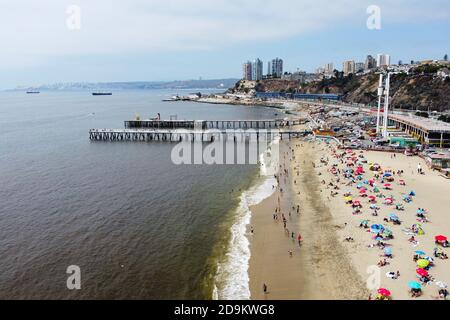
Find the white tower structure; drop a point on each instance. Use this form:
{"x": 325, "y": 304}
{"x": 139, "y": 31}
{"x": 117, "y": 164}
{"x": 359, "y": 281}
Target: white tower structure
{"x": 380, "y": 96}
{"x": 386, "y": 105}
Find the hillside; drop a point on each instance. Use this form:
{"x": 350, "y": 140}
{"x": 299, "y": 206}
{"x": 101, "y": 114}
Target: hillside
{"x": 421, "y": 89}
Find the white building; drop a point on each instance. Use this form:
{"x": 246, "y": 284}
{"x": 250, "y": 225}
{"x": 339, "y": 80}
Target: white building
{"x": 257, "y": 70}
{"x": 383, "y": 60}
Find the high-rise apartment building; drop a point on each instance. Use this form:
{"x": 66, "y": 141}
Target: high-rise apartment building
{"x": 383, "y": 60}
{"x": 348, "y": 67}
{"x": 276, "y": 68}
{"x": 371, "y": 63}
{"x": 257, "y": 70}
{"x": 247, "y": 71}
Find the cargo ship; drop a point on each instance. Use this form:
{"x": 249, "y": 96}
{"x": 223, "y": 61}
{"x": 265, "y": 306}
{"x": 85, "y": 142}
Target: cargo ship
{"x": 102, "y": 93}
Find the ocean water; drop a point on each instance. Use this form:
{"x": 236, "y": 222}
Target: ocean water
{"x": 138, "y": 226}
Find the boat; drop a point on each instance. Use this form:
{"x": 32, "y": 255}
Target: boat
{"x": 33, "y": 92}
{"x": 102, "y": 93}
{"x": 173, "y": 98}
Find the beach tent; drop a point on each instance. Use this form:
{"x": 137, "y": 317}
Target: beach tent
{"x": 388, "y": 251}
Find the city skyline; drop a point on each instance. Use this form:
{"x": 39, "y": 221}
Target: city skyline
{"x": 172, "y": 40}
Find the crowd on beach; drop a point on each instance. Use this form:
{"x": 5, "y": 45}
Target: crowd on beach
{"x": 367, "y": 188}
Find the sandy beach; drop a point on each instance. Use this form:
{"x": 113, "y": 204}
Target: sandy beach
{"x": 326, "y": 266}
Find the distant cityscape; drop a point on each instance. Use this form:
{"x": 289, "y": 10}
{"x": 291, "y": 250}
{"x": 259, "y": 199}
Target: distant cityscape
{"x": 253, "y": 70}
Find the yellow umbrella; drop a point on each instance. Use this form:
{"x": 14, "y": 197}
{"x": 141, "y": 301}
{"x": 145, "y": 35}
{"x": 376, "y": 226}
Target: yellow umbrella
{"x": 422, "y": 263}
{"x": 348, "y": 199}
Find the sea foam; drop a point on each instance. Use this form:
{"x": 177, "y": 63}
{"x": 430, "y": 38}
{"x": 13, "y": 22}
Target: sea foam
{"x": 232, "y": 279}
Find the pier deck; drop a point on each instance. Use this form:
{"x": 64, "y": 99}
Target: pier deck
{"x": 213, "y": 124}
{"x": 146, "y": 135}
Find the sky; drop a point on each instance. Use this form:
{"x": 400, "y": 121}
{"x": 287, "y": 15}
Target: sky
{"x": 51, "y": 41}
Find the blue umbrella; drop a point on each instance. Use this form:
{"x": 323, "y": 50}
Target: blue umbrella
{"x": 419, "y": 252}
{"x": 377, "y": 227}
{"x": 387, "y": 174}
{"x": 412, "y": 194}
{"x": 414, "y": 285}
{"x": 373, "y": 206}
{"x": 378, "y": 239}
{"x": 388, "y": 251}
{"x": 393, "y": 216}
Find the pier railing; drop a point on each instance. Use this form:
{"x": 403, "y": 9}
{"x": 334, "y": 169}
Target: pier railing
{"x": 212, "y": 124}
{"x": 146, "y": 135}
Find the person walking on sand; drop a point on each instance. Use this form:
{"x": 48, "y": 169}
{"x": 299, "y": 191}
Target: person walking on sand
{"x": 265, "y": 288}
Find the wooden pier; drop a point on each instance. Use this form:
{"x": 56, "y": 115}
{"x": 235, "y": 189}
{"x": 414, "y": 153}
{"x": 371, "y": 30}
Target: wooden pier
{"x": 146, "y": 135}
{"x": 213, "y": 124}
{"x": 201, "y": 130}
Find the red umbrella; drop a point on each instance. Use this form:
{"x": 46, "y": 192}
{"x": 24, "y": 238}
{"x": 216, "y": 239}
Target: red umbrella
{"x": 372, "y": 197}
{"x": 440, "y": 238}
{"x": 387, "y": 185}
{"x": 362, "y": 190}
{"x": 422, "y": 272}
{"x": 384, "y": 292}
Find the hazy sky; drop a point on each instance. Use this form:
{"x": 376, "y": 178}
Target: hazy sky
{"x": 138, "y": 40}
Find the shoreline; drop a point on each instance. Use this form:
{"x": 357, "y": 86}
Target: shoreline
{"x": 318, "y": 269}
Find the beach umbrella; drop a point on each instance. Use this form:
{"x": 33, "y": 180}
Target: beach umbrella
{"x": 356, "y": 202}
{"x": 419, "y": 252}
{"x": 412, "y": 194}
{"x": 387, "y": 185}
{"x": 429, "y": 259}
{"x": 422, "y": 263}
{"x": 387, "y": 233}
{"x": 393, "y": 217}
{"x": 414, "y": 285}
{"x": 440, "y": 238}
{"x": 373, "y": 206}
{"x": 387, "y": 174}
{"x": 388, "y": 251}
{"x": 384, "y": 292}
{"x": 422, "y": 272}
{"x": 378, "y": 239}
{"x": 364, "y": 222}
